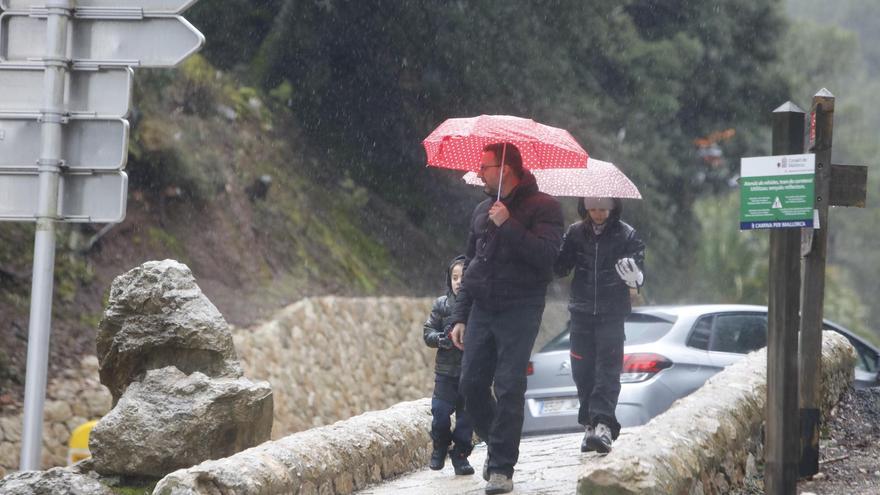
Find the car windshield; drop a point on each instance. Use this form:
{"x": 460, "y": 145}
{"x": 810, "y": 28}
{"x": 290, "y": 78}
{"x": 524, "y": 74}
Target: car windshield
{"x": 639, "y": 328}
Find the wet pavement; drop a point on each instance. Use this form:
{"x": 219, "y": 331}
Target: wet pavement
{"x": 548, "y": 465}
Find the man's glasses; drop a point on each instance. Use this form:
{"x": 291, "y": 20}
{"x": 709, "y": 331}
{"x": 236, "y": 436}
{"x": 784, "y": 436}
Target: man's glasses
{"x": 484, "y": 167}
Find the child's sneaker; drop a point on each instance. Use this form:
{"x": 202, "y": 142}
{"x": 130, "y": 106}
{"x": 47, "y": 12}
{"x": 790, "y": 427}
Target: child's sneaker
{"x": 459, "y": 459}
{"x": 438, "y": 456}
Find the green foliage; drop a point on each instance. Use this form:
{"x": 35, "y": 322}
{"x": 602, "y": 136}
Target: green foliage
{"x": 859, "y": 17}
{"x": 157, "y": 163}
{"x": 165, "y": 155}
{"x": 731, "y": 265}
{"x": 283, "y": 93}
{"x": 16, "y": 258}
{"x": 8, "y": 372}
{"x": 234, "y": 28}
{"x": 844, "y": 305}
{"x": 835, "y": 46}
{"x": 16, "y": 262}
{"x": 134, "y": 487}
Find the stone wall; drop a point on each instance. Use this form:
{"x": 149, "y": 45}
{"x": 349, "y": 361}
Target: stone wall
{"x": 709, "y": 441}
{"x": 331, "y": 358}
{"x": 71, "y": 400}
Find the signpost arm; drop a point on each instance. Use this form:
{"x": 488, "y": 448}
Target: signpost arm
{"x": 821, "y": 130}
{"x": 39, "y": 330}
{"x": 782, "y": 440}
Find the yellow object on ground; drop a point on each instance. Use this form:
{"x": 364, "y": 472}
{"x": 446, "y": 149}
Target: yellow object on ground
{"x": 78, "y": 447}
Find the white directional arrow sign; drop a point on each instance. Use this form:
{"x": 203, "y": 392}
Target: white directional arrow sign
{"x": 105, "y": 92}
{"x": 147, "y": 6}
{"x": 113, "y": 39}
{"x": 87, "y": 144}
{"x": 83, "y": 197}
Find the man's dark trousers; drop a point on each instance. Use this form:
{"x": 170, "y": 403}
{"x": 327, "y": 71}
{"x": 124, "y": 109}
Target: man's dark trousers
{"x": 596, "y": 363}
{"x": 498, "y": 344}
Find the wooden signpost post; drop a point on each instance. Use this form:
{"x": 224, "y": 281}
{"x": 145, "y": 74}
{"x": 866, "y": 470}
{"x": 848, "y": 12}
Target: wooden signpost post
{"x": 781, "y": 459}
{"x": 836, "y": 185}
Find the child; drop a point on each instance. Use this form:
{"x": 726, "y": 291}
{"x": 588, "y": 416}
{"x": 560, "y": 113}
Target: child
{"x": 607, "y": 257}
{"x": 447, "y": 369}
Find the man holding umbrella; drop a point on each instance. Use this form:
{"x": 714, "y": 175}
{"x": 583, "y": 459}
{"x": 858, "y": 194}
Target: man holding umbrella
{"x": 512, "y": 245}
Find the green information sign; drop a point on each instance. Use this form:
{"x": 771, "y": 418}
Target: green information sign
{"x": 777, "y": 191}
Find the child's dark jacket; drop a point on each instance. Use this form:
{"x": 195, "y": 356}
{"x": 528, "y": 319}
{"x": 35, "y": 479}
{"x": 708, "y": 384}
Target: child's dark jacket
{"x": 439, "y": 325}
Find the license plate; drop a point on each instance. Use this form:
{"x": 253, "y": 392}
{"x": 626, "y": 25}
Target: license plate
{"x": 556, "y": 406}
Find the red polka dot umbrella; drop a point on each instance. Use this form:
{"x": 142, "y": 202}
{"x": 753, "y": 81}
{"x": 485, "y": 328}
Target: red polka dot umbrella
{"x": 458, "y": 143}
{"x": 599, "y": 180}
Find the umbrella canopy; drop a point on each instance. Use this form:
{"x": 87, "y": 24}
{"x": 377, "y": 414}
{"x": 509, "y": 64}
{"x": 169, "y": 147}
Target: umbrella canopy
{"x": 458, "y": 143}
{"x": 599, "y": 180}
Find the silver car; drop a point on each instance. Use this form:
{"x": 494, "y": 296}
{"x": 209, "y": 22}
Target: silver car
{"x": 670, "y": 351}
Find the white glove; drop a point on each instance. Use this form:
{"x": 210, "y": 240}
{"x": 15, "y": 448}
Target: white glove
{"x": 629, "y": 272}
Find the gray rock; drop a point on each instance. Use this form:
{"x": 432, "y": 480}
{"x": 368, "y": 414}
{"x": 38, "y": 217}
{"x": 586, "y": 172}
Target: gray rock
{"x": 56, "y": 481}
{"x": 157, "y": 316}
{"x": 171, "y": 421}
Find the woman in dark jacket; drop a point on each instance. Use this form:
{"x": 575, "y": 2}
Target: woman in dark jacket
{"x": 447, "y": 369}
{"x": 607, "y": 257}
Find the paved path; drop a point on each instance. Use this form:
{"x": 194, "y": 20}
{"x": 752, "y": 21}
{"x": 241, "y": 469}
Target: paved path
{"x": 548, "y": 465}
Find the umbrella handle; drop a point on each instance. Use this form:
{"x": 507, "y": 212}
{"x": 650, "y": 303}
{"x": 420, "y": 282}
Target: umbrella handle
{"x": 501, "y": 178}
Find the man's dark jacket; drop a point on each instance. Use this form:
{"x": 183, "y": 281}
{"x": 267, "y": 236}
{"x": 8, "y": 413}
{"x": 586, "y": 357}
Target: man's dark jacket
{"x": 439, "y": 324}
{"x": 597, "y": 289}
{"x": 511, "y": 266}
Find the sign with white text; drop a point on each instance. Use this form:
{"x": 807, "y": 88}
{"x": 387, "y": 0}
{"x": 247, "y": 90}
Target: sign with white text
{"x": 777, "y": 191}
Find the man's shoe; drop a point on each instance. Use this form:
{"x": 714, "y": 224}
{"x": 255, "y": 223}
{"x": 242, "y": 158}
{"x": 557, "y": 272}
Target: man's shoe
{"x": 588, "y": 432}
{"x": 438, "y": 457}
{"x": 600, "y": 440}
{"x": 499, "y": 483}
{"x": 460, "y": 464}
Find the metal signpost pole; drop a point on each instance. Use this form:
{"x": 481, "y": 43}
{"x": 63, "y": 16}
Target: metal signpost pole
{"x": 782, "y": 433}
{"x": 49, "y": 165}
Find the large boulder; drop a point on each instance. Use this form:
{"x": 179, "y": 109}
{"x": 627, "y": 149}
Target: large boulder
{"x": 56, "y": 481}
{"x": 171, "y": 420}
{"x": 157, "y": 316}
